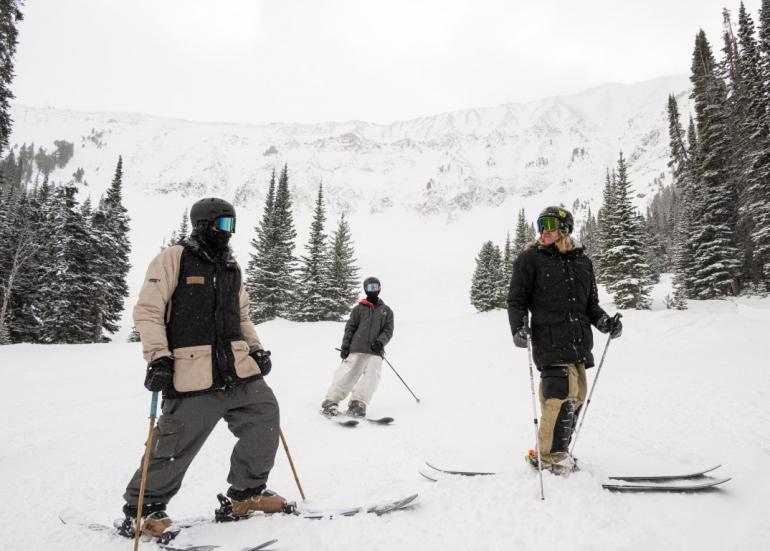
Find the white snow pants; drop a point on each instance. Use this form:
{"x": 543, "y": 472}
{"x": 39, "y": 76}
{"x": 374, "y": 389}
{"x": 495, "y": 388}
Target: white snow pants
{"x": 358, "y": 372}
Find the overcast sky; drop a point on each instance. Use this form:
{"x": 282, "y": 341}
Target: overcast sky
{"x": 314, "y": 60}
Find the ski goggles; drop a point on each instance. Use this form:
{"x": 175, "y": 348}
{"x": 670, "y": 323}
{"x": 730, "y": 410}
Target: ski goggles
{"x": 548, "y": 223}
{"x": 225, "y": 223}
{"x": 372, "y": 287}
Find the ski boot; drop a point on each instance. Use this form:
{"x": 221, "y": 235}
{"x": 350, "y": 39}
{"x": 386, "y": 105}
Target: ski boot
{"x": 356, "y": 409}
{"x": 329, "y": 408}
{"x": 156, "y": 522}
{"x": 237, "y": 508}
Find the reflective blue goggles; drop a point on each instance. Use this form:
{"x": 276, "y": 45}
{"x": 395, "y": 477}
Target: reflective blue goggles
{"x": 372, "y": 288}
{"x": 225, "y": 223}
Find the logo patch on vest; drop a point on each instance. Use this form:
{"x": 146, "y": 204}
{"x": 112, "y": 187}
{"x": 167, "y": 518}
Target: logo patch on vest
{"x": 195, "y": 280}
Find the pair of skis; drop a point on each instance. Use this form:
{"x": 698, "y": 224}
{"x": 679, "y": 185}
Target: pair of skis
{"x": 166, "y": 540}
{"x": 687, "y": 482}
{"x": 350, "y": 422}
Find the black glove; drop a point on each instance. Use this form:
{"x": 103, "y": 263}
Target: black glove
{"x": 262, "y": 357}
{"x": 160, "y": 374}
{"x": 520, "y": 337}
{"x": 344, "y": 352}
{"x": 611, "y": 325}
{"x": 378, "y": 347}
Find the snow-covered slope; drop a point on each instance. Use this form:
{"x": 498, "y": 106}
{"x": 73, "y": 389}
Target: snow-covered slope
{"x": 435, "y": 164}
{"x": 679, "y": 390}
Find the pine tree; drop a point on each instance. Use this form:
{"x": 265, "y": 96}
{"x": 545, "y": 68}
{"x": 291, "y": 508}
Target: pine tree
{"x": 682, "y": 260}
{"x": 607, "y": 223}
{"x": 588, "y": 235}
{"x": 485, "y": 287}
{"x": 524, "y": 234}
{"x": 63, "y": 305}
{"x": 716, "y": 255}
{"x": 284, "y": 246}
{"x": 271, "y": 270}
{"x": 10, "y": 16}
{"x": 630, "y": 283}
{"x": 180, "y": 233}
{"x": 343, "y": 272}
{"x": 315, "y": 289}
{"x": 752, "y": 95}
{"x": 261, "y": 272}
{"x": 117, "y": 248}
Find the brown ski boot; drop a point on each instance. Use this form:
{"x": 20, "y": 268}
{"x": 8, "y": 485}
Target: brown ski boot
{"x": 266, "y": 502}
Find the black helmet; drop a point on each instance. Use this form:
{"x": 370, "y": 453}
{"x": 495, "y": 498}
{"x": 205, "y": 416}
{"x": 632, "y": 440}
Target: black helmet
{"x": 371, "y": 285}
{"x": 563, "y": 217}
{"x": 204, "y": 212}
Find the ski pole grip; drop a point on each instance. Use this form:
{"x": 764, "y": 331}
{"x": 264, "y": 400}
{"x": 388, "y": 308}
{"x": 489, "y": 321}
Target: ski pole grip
{"x": 154, "y": 405}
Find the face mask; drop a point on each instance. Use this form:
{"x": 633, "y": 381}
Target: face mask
{"x": 217, "y": 240}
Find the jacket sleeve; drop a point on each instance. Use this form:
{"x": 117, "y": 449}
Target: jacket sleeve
{"x": 520, "y": 290}
{"x": 152, "y": 306}
{"x": 593, "y": 310}
{"x": 248, "y": 330}
{"x": 350, "y": 327}
{"x": 387, "y": 328}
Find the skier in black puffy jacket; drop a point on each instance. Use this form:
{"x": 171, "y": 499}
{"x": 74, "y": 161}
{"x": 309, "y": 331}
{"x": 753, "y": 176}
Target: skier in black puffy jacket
{"x": 554, "y": 281}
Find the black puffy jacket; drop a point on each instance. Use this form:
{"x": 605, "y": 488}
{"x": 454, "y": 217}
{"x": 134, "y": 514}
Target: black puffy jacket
{"x": 559, "y": 289}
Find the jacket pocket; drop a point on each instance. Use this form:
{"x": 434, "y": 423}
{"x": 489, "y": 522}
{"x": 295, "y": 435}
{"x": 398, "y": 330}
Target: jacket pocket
{"x": 168, "y": 435}
{"x": 192, "y": 368}
{"x": 245, "y": 366}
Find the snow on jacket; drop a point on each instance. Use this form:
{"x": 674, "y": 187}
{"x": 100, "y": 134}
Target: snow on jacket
{"x": 559, "y": 289}
{"x": 196, "y": 310}
{"x": 368, "y": 323}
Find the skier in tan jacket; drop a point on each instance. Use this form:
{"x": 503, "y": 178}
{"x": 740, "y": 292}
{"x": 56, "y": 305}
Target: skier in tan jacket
{"x": 204, "y": 354}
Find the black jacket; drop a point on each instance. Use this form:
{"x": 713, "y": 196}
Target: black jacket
{"x": 559, "y": 289}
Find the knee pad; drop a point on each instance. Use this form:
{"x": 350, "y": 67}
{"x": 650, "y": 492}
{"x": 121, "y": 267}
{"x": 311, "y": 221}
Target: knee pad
{"x": 555, "y": 383}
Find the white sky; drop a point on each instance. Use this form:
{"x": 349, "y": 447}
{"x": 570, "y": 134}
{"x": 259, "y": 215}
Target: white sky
{"x": 316, "y": 60}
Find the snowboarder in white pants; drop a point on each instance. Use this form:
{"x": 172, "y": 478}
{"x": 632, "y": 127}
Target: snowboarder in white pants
{"x": 368, "y": 330}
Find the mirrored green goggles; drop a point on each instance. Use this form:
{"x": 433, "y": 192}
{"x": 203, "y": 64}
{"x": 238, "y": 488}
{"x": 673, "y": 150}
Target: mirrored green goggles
{"x": 548, "y": 223}
{"x": 225, "y": 223}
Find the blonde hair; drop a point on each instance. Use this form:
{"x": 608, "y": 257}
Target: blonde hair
{"x": 564, "y": 243}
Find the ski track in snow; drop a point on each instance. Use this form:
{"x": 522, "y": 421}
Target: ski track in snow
{"x": 679, "y": 390}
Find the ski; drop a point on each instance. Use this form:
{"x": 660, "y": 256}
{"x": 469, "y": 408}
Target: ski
{"x": 344, "y": 423}
{"x": 381, "y": 420}
{"x": 664, "y": 477}
{"x": 460, "y": 473}
{"x": 164, "y": 541}
{"x": 675, "y": 485}
{"x": 224, "y": 512}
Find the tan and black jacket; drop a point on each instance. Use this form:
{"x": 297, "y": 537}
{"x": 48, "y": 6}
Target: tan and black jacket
{"x": 196, "y": 310}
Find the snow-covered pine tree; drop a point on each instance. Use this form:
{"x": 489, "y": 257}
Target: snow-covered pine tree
{"x": 343, "y": 272}
{"x": 261, "y": 271}
{"x": 753, "y": 94}
{"x": 630, "y": 284}
{"x": 716, "y": 257}
{"x": 607, "y": 234}
{"x": 525, "y": 233}
{"x": 181, "y": 232}
{"x": 314, "y": 286}
{"x": 682, "y": 261}
{"x": 63, "y": 304}
{"x": 284, "y": 246}
{"x": 10, "y": 16}
{"x": 116, "y": 233}
{"x": 588, "y": 235}
{"x": 487, "y": 277}
{"x": 509, "y": 255}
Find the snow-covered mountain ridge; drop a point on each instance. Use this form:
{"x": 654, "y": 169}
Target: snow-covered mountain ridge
{"x": 441, "y": 164}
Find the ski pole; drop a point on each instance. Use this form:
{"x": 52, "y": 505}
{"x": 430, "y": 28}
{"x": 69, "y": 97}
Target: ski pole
{"x": 616, "y": 317}
{"x": 534, "y": 408}
{"x": 145, "y": 466}
{"x": 397, "y": 375}
{"x": 291, "y": 463}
